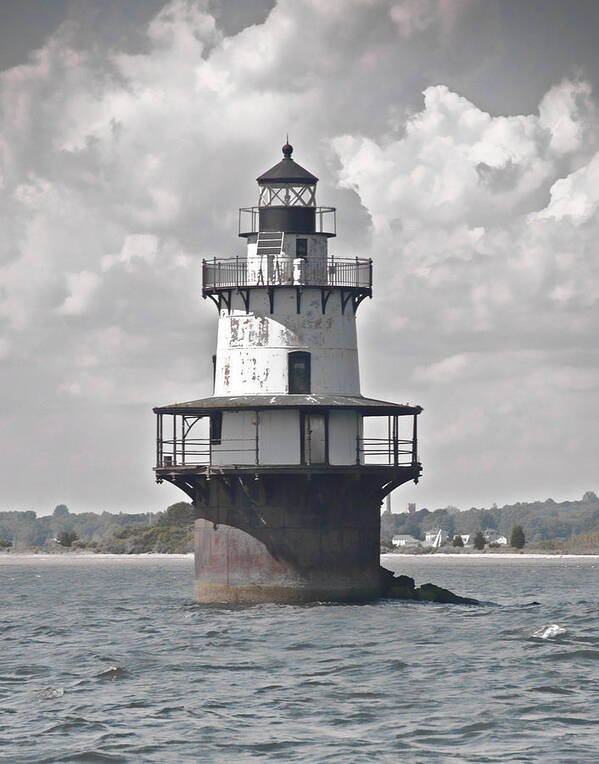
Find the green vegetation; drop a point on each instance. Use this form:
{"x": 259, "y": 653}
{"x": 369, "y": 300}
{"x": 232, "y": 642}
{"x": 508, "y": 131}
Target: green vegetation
{"x": 173, "y": 533}
{"x": 66, "y": 538}
{"x": 549, "y": 525}
{"x": 569, "y": 526}
{"x": 479, "y": 540}
{"x": 168, "y": 531}
{"x": 458, "y": 541}
{"x": 517, "y": 539}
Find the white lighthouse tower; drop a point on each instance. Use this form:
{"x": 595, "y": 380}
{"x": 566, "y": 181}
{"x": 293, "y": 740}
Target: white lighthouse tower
{"x": 286, "y": 486}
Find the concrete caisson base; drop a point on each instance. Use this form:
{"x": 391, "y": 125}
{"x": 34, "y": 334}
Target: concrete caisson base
{"x": 289, "y": 538}
{"x": 234, "y": 567}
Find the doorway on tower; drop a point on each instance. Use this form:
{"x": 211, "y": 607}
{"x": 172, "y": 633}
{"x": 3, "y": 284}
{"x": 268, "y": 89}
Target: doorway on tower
{"x": 315, "y": 441}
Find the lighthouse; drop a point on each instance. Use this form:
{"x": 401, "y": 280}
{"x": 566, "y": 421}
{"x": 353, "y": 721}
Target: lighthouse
{"x": 280, "y": 462}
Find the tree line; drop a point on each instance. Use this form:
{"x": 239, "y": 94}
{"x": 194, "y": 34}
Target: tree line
{"x": 544, "y": 523}
{"x": 517, "y": 539}
{"x": 63, "y": 528}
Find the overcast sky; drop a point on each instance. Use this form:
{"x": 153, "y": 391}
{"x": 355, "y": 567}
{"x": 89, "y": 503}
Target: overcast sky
{"x": 459, "y": 140}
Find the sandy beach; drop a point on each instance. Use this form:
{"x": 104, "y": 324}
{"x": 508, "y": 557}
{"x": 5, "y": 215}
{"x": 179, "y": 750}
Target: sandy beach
{"x": 491, "y": 557}
{"x": 10, "y": 558}
{"x": 87, "y": 557}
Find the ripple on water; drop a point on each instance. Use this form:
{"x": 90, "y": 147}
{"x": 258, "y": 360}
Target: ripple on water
{"x": 50, "y": 693}
{"x": 84, "y": 755}
{"x": 113, "y": 674}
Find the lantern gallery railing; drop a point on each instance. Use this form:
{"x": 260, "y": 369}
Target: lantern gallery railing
{"x": 242, "y": 273}
{"x": 175, "y": 448}
{"x": 325, "y": 220}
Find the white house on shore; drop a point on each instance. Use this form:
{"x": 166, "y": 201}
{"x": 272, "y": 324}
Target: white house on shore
{"x": 405, "y": 541}
{"x": 435, "y": 538}
{"x": 493, "y": 537}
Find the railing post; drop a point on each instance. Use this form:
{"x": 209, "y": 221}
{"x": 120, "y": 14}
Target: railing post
{"x": 183, "y": 440}
{"x": 415, "y": 440}
{"x": 358, "y": 445}
{"x": 257, "y": 440}
{"x": 158, "y": 459}
{"x": 174, "y": 438}
{"x": 395, "y": 442}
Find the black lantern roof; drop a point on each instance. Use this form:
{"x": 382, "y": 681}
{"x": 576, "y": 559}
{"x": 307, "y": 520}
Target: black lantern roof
{"x": 287, "y": 171}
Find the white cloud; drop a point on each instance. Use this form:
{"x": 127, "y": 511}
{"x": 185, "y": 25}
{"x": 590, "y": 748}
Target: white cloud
{"x": 141, "y": 247}
{"x": 575, "y": 196}
{"x": 444, "y": 371}
{"x": 457, "y": 189}
{"x": 81, "y": 286}
{"x": 413, "y": 16}
{"x": 568, "y": 112}
{"x": 70, "y": 388}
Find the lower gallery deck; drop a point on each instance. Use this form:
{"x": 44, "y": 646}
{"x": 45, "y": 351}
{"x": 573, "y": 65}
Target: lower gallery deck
{"x": 287, "y": 492}
{"x": 229, "y": 432}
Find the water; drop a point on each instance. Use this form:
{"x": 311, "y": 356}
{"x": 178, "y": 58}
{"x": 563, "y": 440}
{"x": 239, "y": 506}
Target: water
{"x": 108, "y": 659}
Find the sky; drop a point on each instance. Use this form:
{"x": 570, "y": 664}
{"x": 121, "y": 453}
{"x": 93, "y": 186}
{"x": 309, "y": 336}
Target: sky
{"x": 459, "y": 141}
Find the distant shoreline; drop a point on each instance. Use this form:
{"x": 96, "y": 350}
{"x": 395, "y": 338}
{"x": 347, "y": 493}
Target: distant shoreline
{"x": 493, "y": 555}
{"x": 84, "y": 556}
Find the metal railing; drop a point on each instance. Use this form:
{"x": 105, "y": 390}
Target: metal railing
{"x": 249, "y": 220}
{"x": 203, "y": 452}
{"x": 241, "y": 273}
{"x": 391, "y": 451}
{"x": 179, "y": 450}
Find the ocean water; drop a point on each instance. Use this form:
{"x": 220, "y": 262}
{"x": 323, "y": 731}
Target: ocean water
{"x": 108, "y": 659}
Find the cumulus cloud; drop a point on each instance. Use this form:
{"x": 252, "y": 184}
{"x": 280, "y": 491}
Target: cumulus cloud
{"x": 472, "y": 205}
{"x": 575, "y": 196}
{"x": 81, "y": 288}
{"x": 490, "y": 261}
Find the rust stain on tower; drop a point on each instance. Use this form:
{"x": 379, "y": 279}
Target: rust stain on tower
{"x": 285, "y": 477}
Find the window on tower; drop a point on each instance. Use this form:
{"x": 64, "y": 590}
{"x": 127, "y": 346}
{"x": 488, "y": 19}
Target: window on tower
{"x": 299, "y": 372}
{"x": 216, "y": 428}
{"x": 301, "y": 248}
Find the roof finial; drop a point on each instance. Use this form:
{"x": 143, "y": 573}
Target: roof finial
{"x": 287, "y": 149}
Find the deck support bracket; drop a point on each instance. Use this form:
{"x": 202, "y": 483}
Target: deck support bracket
{"x": 245, "y": 296}
{"x": 324, "y": 298}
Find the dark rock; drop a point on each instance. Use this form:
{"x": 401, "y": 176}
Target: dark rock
{"x": 404, "y": 588}
{"x": 432, "y": 593}
{"x": 387, "y": 577}
{"x": 402, "y": 593}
